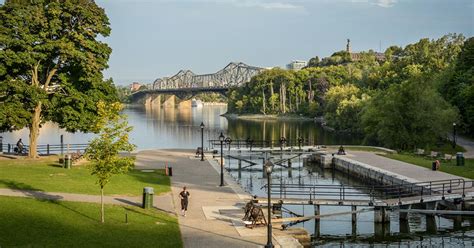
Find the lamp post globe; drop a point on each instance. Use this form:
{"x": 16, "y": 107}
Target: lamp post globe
{"x": 454, "y": 135}
{"x": 268, "y": 169}
{"x": 221, "y": 139}
{"x": 202, "y": 141}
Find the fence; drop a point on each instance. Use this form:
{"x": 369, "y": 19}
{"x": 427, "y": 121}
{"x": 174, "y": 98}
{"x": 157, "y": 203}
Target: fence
{"x": 46, "y": 149}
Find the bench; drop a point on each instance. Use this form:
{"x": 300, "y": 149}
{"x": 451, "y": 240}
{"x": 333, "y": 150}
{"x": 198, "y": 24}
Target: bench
{"x": 420, "y": 152}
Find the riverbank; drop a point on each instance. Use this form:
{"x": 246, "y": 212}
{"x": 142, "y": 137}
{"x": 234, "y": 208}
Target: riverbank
{"x": 266, "y": 117}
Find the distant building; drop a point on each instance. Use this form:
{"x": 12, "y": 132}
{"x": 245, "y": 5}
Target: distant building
{"x": 358, "y": 56}
{"x": 135, "y": 86}
{"x": 296, "y": 65}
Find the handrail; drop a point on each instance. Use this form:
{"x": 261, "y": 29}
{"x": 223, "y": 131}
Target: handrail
{"x": 372, "y": 192}
{"x": 47, "y": 149}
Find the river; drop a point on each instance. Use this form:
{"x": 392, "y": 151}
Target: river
{"x": 180, "y": 128}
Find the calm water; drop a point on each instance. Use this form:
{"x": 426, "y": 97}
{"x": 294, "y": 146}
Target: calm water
{"x": 179, "y": 128}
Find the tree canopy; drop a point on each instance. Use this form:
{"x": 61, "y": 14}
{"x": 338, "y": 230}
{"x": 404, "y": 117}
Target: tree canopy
{"x": 51, "y": 63}
{"x": 409, "y": 98}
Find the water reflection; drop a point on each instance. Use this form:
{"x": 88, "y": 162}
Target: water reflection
{"x": 179, "y": 128}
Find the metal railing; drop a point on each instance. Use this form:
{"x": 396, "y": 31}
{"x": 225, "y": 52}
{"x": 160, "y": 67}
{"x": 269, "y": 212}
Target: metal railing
{"x": 46, "y": 149}
{"x": 250, "y": 143}
{"x": 371, "y": 193}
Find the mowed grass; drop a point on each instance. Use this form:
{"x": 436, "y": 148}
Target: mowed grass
{"x": 449, "y": 167}
{"x": 29, "y": 222}
{"x": 46, "y": 174}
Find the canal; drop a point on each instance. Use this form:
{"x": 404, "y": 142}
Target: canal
{"x": 180, "y": 128}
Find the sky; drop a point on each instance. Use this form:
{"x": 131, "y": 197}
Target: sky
{"x": 155, "y": 38}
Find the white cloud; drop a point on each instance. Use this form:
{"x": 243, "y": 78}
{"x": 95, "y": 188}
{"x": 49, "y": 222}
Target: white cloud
{"x": 386, "y": 3}
{"x": 380, "y": 3}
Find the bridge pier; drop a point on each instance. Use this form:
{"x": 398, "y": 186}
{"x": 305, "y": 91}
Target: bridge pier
{"x": 170, "y": 102}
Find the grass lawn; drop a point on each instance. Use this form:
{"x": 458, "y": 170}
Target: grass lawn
{"x": 449, "y": 167}
{"x": 32, "y": 223}
{"x": 45, "y": 174}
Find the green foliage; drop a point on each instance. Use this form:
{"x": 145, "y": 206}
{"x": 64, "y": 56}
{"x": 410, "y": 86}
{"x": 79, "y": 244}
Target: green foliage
{"x": 457, "y": 85}
{"x": 210, "y": 97}
{"x": 123, "y": 94}
{"x": 103, "y": 151}
{"x": 51, "y": 63}
{"x": 344, "y": 103}
{"x": 407, "y": 115}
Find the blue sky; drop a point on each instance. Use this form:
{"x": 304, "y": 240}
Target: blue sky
{"x": 156, "y": 38}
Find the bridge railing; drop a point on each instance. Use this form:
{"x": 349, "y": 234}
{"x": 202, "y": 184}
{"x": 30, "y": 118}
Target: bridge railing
{"x": 371, "y": 193}
{"x": 250, "y": 143}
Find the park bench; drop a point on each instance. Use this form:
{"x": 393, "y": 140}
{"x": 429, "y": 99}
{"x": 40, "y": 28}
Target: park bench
{"x": 447, "y": 157}
{"x": 420, "y": 152}
{"x": 433, "y": 154}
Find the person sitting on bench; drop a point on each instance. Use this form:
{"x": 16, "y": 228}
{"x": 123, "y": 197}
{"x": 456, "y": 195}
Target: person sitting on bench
{"x": 341, "y": 151}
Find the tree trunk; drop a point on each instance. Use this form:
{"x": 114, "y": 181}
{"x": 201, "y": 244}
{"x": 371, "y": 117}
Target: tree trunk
{"x": 102, "y": 219}
{"x": 263, "y": 100}
{"x": 271, "y": 96}
{"x": 34, "y": 132}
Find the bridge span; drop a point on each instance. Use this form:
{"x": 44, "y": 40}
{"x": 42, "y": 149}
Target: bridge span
{"x": 185, "y": 83}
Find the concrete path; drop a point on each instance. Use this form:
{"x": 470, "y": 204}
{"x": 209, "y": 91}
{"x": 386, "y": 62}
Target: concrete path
{"x": 468, "y": 145}
{"x": 415, "y": 172}
{"x": 161, "y": 202}
{"x": 198, "y": 229}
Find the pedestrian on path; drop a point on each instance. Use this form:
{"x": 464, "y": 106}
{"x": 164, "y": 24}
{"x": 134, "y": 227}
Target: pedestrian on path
{"x": 184, "y": 195}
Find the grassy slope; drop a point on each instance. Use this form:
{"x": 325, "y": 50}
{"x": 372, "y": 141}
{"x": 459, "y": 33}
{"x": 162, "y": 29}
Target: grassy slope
{"x": 33, "y": 223}
{"x": 448, "y": 167}
{"x": 46, "y": 175}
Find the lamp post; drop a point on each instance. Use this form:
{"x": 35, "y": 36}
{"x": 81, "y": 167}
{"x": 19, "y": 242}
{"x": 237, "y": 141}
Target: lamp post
{"x": 202, "y": 141}
{"x": 268, "y": 169}
{"x": 221, "y": 139}
{"x": 300, "y": 140}
{"x": 228, "y": 141}
{"x": 454, "y": 135}
{"x": 282, "y": 142}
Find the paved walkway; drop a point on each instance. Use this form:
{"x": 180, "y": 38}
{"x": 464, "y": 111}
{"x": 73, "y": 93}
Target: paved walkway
{"x": 203, "y": 225}
{"x": 468, "y": 145}
{"x": 415, "y": 172}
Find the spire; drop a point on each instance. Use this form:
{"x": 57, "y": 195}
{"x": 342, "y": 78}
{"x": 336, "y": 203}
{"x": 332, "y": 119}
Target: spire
{"x": 348, "y": 46}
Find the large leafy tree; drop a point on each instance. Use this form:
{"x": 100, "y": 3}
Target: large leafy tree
{"x": 51, "y": 63}
{"x": 408, "y": 115}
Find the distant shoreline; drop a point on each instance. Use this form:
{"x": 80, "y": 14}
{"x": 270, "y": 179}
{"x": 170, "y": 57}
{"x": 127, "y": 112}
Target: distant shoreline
{"x": 267, "y": 117}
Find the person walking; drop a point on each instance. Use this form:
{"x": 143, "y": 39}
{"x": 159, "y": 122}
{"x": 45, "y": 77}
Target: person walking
{"x": 184, "y": 195}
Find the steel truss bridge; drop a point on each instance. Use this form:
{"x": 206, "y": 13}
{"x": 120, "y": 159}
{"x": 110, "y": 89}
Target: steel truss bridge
{"x": 234, "y": 74}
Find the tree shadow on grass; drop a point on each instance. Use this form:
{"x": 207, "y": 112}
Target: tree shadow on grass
{"x": 30, "y": 191}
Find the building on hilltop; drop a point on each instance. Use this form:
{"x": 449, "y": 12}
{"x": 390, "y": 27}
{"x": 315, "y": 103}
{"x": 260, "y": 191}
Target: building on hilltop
{"x": 135, "y": 86}
{"x": 358, "y": 56}
{"x": 296, "y": 65}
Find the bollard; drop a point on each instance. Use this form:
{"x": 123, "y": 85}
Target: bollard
{"x": 170, "y": 171}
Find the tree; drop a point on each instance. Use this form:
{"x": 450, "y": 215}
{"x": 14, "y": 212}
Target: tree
{"x": 457, "y": 85}
{"x": 343, "y": 105}
{"x": 408, "y": 115}
{"x": 51, "y": 65}
{"x": 103, "y": 151}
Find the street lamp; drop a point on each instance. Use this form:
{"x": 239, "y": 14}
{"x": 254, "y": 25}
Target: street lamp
{"x": 221, "y": 139}
{"x": 202, "y": 141}
{"x": 268, "y": 169}
{"x": 300, "y": 140}
{"x": 454, "y": 135}
{"x": 228, "y": 141}
{"x": 282, "y": 142}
